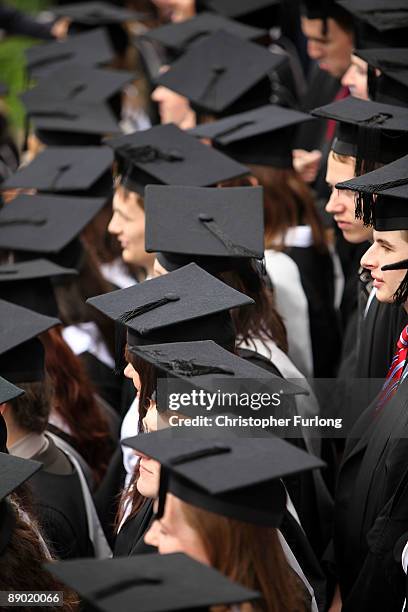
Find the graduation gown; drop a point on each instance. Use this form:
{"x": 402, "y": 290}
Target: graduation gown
{"x": 130, "y": 539}
{"x": 367, "y": 525}
{"x": 317, "y": 277}
{"x": 58, "y": 503}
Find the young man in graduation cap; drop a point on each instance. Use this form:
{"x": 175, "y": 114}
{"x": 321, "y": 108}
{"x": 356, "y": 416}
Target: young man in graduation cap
{"x": 371, "y": 492}
{"x": 368, "y": 135}
{"x": 161, "y": 155}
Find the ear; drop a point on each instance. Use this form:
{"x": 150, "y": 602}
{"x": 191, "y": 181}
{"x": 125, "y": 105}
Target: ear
{"x": 3, "y": 408}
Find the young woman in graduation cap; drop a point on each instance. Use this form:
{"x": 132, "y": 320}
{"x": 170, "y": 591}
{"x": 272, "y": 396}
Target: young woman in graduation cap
{"x": 231, "y": 525}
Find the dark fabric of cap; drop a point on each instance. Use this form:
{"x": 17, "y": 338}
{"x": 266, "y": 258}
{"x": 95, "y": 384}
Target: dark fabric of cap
{"x": 237, "y": 477}
{"x": 45, "y": 223}
{"x": 382, "y": 15}
{"x": 24, "y": 363}
{"x": 203, "y": 363}
{"x": 211, "y": 74}
{"x": 178, "y": 37}
{"x": 165, "y": 154}
{"x": 21, "y": 354}
{"x": 8, "y": 391}
{"x": 150, "y": 583}
{"x": 369, "y": 131}
{"x": 91, "y": 48}
{"x": 187, "y": 304}
{"x": 13, "y": 472}
{"x": 29, "y": 284}
{"x": 70, "y": 123}
{"x": 96, "y": 13}
{"x": 378, "y": 23}
{"x": 383, "y": 195}
{"x": 235, "y": 9}
{"x": 322, "y": 9}
{"x": 86, "y": 171}
{"x": 18, "y": 325}
{"x": 80, "y": 84}
{"x": 391, "y": 86}
{"x": 190, "y": 222}
{"x": 263, "y": 136}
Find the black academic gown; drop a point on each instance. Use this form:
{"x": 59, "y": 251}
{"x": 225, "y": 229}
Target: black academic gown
{"x": 366, "y": 527}
{"x": 130, "y": 539}
{"x": 317, "y": 277}
{"x": 58, "y": 503}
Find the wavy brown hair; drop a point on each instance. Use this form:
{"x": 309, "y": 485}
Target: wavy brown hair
{"x": 73, "y": 399}
{"x": 288, "y": 201}
{"x": 250, "y": 555}
{"x": 21, "y": 565}
{"x": 261, "y": 321}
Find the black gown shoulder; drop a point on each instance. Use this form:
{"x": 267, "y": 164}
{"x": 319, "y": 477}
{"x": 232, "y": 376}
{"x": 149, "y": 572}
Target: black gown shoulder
{"x": 130, "y": 539}
{"x": 59, "y": 505}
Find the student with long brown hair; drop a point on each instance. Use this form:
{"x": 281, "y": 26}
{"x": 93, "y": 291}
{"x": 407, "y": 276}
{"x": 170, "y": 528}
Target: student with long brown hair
{"x": 304, "y": 283}
{"x": 233, "y": 527}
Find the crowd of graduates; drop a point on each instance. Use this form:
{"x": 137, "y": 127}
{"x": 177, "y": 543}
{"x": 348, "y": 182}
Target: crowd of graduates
{"x": 210, "y": 199}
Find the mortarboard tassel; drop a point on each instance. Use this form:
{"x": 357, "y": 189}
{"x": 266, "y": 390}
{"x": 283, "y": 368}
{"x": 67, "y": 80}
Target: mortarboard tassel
{"x": 365, "y": 202}
{"x": 369, "y": 143}
{"x": 147, "y": 154}
{"x": 120, "y": 329}
{"x": 210, "y": 88}
{"x": 371, "y": 82}
{"x": 401, "y": 294}
{"x": 232, "y": 247}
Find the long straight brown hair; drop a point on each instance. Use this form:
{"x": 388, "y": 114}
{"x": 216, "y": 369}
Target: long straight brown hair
{"x": 251, "y": 555}
{"x": 288, "y": 201}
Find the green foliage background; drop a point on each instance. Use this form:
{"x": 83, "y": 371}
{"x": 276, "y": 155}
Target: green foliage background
{"x": 12, "y": 65}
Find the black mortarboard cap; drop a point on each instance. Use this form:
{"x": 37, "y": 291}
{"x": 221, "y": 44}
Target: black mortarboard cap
{"x": 203, "y": 364}
{"x": 262, "y": 136}
{"x": 29, "y": 284}
{"x": 258, "y": 13}
{"x": 322, "y": 9}
{"x": 388, "y": 210}
{"x": 79, "y": 84}
{"x": 369, "y": 131}
{"x": 150, "y": 583}
{"x": 211, "y": 74}
{"x": 391, "y": 86}
{"x": 178, "y": 37}
{"x": 89, "y": 48}
{"x": 13, "y": 472}
{"x": 85, "y": 171}
{"x": 187, "y": 304}
{"x": 96, "y": 13}
{"x": 45, "y": 223}
{"x": 70, "y": 123}
{"x": 219, "y": 471}
{"x": 8, "y": 391}
{"x": 21, "y": 353}
{"x": 167, "y": 155}
{"x": 213, "y": 227}
{"x": 88, "y": 15}
{"x": 378, "y": 23}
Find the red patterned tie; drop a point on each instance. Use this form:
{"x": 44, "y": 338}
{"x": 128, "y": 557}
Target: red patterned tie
{"x": 396, "y": 369}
